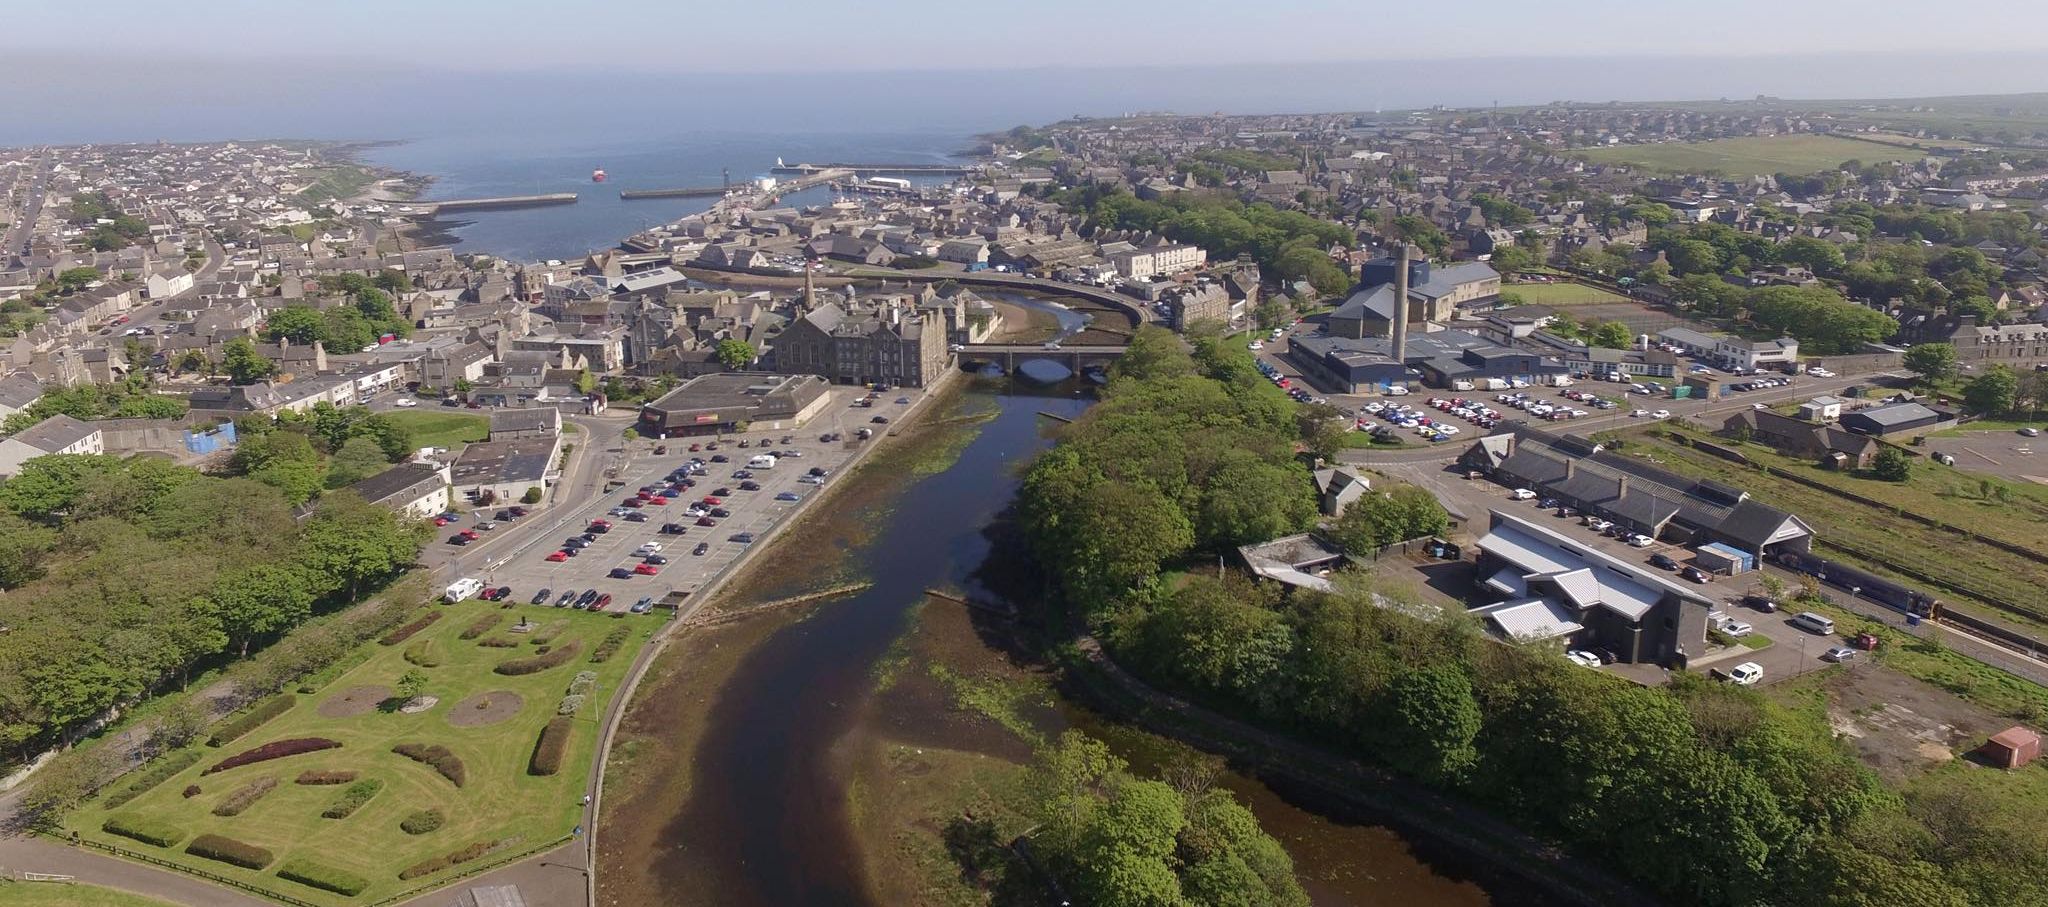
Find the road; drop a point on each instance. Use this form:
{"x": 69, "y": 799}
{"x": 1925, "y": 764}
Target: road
{"x": 18, "y": 232}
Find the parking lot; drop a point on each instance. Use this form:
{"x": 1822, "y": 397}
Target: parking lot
{"x": 2000, "y": 452}
{"x": 525, "y": 565}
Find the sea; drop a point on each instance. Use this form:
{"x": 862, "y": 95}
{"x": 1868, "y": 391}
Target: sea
{"x": 470, "y": 166}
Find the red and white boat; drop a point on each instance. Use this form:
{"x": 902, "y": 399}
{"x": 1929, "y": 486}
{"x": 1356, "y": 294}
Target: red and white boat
{"x": 597, "y": 176}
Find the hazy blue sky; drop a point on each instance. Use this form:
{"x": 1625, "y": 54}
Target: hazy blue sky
{"x": 694, "y": 35}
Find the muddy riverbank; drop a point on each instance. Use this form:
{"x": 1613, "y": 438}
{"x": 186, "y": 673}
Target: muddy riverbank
{"x": 818, "y": 754}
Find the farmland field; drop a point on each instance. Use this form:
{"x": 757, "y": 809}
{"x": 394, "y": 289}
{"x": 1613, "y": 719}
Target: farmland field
{"x": 489, "y": 720}
{"x": 1748, "y": 156}
{"x": 1561, "y": 294}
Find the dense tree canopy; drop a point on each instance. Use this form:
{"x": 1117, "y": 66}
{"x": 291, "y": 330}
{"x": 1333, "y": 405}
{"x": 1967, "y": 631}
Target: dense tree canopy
{"x": 123, "y": 574}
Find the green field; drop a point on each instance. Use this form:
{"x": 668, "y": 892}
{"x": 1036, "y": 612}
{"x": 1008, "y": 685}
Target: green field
{"x": 340, "y": 182}
{"x": 69, "y": 894}
{"x": 499, "y": 801}
{"x": 1749, "y": 156}
{"x": 1561, "y": 294}
{"x": 437, "y": 428}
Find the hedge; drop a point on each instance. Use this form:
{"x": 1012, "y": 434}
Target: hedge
{"x": 553, "y": 743}
{"x": 610, "y": 646}
{"x": 499, "y": 642}
{"x": 535, "y": 664}
{"x": 229, "y": 850}
{"x": 444, "y": 861}
{"x": 191, "y": 790}
{"x": 421, "y": 822}
{"x": 275, "y": 749}
{"x": 404, "y": 633}
{"x": 146, "y": 830}
{"x": 422, "y": 654}
{"x": 152, "y": 775}
{"x": 352, "y": 798}
{"x": 436, "y": 755}
{"x": 325, "y": 878}
{"x": 252, "y": 719}
{"x": 245, "y": 797}
{"x": 481, "y": 625}
{"x": 311, "y": 776}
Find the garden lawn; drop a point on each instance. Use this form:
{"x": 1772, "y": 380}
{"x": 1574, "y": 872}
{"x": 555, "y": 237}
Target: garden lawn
{"x": 70, "y": 894}
{"x": 442, "y": 429}
{"x": 1562, "y": 294}
{"x": 499, "y": 800}
{"x": 1750, "y": 156}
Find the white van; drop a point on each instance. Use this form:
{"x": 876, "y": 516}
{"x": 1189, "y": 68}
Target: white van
{"x": 462, "y": 589}
{"x": 764, "y": 461}
{"x": 1812, "y": 623}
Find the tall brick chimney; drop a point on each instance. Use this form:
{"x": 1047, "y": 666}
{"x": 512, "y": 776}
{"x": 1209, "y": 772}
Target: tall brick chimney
{"x": 1400, "y": 327}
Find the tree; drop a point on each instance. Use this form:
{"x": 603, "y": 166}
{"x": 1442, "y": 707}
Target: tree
{"x": 1154, "y": 352}
{"x": 1892, "y": 465}
{"x": 243, "y": 364}
{"x": 410, "y": 685}
{"x": 1432, "y": 720}
{"x": 262, "y": 601}
{"x": 532, "y": 495}
{"x": 1933, "y": 362}
{"x": 1322, "y": 428}
{"x": 735, "y": 353}
{"x": 1384, "y": 518}
{"x": 1271, "y": 313}
{"x": 1994, "y": 392}
{"x": 358, "y": 459}
{"x": 1613, "y": 335}
{"x": 296, "y": 323}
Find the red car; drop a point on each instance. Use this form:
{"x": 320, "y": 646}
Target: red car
{"x": 647, "y": 570}
{"x": 469, "y": 534}
{"x": 558, "y": 557}
{"x": 712, "y": 500}
{"x": 442, "y": 521}
{"x": 605, "y": 523}
{"x": 696, "y": 447}
{"x": 630, "y": 502}
{"x": 706, "y": 521}
{"x": 602, "y": 601}
{"x": 657, "y": 501}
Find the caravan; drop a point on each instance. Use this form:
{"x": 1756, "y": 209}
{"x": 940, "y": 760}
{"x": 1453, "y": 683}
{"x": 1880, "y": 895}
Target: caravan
{"x": 764, "y": 461}
{"x": 462, "y": 589}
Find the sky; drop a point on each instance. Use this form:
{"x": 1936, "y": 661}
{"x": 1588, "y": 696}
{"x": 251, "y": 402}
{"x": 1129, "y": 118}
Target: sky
{"x": 125, "y": 70}
{"x": 834, "y": 35}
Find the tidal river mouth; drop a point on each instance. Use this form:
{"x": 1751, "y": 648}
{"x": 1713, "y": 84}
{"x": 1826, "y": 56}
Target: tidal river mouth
{"x": 812, "y": 755}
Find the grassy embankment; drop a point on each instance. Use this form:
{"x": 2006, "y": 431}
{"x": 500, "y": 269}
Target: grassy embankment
{"x": 498, "y": 801}
{"x": 1986, "y": 505}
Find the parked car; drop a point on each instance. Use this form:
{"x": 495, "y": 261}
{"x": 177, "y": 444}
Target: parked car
{"x": 657, "y": 559}
{"x": 744, "y": 538}
{"x": 1744, "y": 674}
{"x": 646, "y": 569}
{"x": 1697, "y": 575}
{"x": 643, "y": 606}
{"x": 788, "y": 496}
{"x": 565, "y": 598}
{"x": 1762, "y": 603}
{"x": 1583, "y": 658}
{"x": 701, "y": 548}
{"x": 1736, "y": 628}
{"x": 1839, "y": 654}
{"x": 620, "y": 573}
{"x": 672, "y": 529}
{"x": 636, "y": 517}
{"x": 1663, "y": 561}
{"x": 1641, "y": 541}
{"x": 1522, "y": 494}
{"x": 558, "y": 557}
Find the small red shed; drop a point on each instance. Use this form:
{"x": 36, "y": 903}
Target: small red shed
{"x": 2012, "y": 747}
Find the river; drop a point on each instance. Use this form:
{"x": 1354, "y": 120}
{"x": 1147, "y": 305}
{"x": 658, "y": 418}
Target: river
{"x": 766, "y": 818}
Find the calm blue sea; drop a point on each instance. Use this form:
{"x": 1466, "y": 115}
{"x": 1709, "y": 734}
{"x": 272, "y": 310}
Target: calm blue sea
{"x": 472, "y": 166}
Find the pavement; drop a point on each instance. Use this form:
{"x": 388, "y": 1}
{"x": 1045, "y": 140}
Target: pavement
{"x": 31, "y": 854}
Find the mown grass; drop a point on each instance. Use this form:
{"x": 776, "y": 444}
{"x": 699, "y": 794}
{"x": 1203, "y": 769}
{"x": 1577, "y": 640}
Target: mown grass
{"x": 70, "y": 894}
{"x": 443, "y": 429}
{"x": 499, "y": 799}
{"x": 1561, "y": 294}
{"x": 1738, "y": 157}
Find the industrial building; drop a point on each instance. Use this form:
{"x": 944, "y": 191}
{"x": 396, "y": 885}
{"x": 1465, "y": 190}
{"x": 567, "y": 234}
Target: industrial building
{"x": 721, "y": 403}
{"x": 1633, "y": 493}
{"x": 1554, "y": 587}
